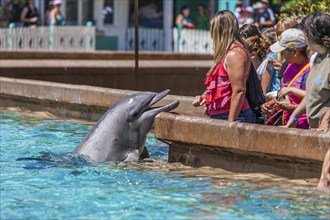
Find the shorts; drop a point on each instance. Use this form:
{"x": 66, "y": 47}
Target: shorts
{"x": 246, "y": 116}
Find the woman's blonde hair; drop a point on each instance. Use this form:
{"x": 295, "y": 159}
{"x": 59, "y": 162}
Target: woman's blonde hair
{"x": 224, "y": 32}
{"x": 299, "y": 18}
{"x": 284, "y": 24}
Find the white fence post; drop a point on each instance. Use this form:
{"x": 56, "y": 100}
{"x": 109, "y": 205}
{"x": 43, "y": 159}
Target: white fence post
{"x": 192, "y": 41}
{"x": 150, "y": 39}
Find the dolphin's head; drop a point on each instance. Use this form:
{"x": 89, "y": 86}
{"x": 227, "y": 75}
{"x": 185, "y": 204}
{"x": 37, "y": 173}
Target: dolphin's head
{"x": 141, "y": 114}
{"x": 121, "y": 132}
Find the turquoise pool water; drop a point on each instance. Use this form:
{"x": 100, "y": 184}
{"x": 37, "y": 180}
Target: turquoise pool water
{"x": 69, "y": 188}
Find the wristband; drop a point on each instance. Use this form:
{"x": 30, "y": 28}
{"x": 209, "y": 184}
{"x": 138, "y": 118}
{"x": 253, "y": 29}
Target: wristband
{"x": 294, "y": 118}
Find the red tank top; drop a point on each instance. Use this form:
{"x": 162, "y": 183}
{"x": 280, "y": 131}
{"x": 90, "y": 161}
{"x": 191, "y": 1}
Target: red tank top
{"x": 218, "y": 89}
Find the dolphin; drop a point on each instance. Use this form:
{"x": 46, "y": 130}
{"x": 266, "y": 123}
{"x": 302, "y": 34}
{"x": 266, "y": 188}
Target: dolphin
{"x": 120, "y": 134}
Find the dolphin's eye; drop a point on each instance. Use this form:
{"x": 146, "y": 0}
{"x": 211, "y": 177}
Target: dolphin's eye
{"x": 135, "y": 115}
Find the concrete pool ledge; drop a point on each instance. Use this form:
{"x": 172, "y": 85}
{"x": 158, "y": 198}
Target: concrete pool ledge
{"x": 241, "y": 147}
{"x": 71, "y": 101}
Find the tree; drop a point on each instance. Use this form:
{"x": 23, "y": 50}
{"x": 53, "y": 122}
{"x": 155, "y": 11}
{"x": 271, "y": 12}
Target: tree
{"x": 304, "y": 7}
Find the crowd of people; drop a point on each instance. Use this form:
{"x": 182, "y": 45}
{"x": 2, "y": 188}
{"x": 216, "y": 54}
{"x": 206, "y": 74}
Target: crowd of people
{"x": 260, "y": 14}
{"x": 29, "y": 16}
{"x": 291, "y": 64}
{"x": 201, "y": 21}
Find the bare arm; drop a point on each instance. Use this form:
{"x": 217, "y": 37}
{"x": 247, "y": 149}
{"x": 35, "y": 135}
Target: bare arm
{"x": 23, "y": 15}
{"x": 300, "y": 109}
{"x": 27, "y": 20}
{"x": 266, "y": 80}
{"x": 237, "y": 64}
{"x": 199, "y": 100}
{"x": 287, "y": 90}
{"x": 178, "y": 20}
{"x": 52, "y": 16}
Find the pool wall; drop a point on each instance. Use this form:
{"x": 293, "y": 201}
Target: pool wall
{"x": 183, "y": 74}
{"x": 240, "y": 147}
{"x": 194, "y": 140}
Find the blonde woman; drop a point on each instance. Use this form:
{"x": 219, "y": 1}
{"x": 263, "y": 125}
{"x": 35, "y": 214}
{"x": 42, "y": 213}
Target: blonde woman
{"x": 226, "y": 81}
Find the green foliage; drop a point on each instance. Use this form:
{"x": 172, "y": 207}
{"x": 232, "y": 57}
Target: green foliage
{"x": 19, "y": 1}
{"x": 304, "y": 7}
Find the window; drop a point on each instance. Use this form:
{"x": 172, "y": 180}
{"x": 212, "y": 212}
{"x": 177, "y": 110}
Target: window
{"x": 71, "y": 12}
{"x": 87, "y": 13}
{"x": 150, "y": 13}
{"x": 108, "y": 12}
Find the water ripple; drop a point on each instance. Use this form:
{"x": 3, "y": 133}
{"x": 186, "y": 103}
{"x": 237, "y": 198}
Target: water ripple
{"x": 39, "y": 179}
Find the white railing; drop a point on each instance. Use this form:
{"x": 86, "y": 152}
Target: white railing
{"x": 150, "y": 39}
{"x": 192, "y": 41}
{"x": 48, "y": 38}
{"x": 184, "y": 40}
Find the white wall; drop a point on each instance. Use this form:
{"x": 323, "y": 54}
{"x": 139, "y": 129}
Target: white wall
{"x": 118, "y": 28}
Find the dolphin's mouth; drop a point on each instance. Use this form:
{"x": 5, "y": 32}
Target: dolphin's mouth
{"x": 159, "y": 96}
{"x": 166, "y": 108}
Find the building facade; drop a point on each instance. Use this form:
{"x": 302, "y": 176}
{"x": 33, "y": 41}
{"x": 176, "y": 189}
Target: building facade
{"x": 114, "y": 19}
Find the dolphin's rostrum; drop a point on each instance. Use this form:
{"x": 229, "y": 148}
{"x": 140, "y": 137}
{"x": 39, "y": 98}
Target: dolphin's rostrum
{"x": 120, "y": 133}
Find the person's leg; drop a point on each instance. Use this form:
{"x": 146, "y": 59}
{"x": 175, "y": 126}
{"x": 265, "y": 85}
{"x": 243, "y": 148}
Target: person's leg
{"x": 246, "y": 116}
{"x": 325, "y": 174}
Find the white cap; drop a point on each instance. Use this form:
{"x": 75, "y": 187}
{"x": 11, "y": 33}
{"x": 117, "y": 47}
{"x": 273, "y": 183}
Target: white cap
{"x": 249, "y": 9}
{"x": 291, "y": 38}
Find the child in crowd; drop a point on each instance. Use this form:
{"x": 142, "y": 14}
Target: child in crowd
{"x": 270, "y": 81}
{"x": 252, "y": 39}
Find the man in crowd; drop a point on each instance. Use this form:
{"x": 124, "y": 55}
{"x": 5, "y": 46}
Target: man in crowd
{"x": 265, "y": 17}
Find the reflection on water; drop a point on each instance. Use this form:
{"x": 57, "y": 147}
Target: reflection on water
{"x": 54, "y": 185}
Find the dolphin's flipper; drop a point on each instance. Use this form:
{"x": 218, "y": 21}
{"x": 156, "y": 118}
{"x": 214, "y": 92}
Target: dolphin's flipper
{"x": 133, "y": 156}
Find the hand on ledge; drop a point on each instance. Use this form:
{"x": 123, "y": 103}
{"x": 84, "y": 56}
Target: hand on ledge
{"x": 199, "y": 101}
